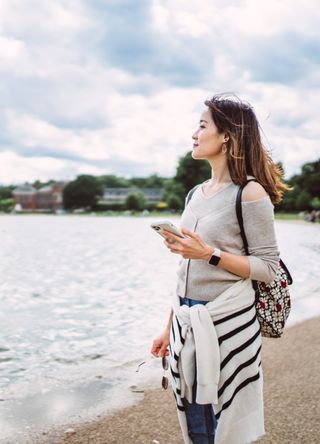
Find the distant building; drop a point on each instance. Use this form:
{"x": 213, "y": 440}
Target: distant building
{"x": 46, "y": 199}
{"x": 119, "y": 195}
{"x": 49, "y": 198}
{"x": 25, "y": 197}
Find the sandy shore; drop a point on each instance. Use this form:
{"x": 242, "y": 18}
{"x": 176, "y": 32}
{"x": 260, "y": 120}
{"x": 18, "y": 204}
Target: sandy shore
{"x": 292, "y": 393}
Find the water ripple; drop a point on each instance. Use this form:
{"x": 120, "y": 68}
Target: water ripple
{"x": 80, "y": 296}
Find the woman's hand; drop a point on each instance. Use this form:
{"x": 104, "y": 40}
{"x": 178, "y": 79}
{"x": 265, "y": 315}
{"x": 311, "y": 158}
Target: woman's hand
{"x": 160, "y": 344}
{"x": 193, "y": 247}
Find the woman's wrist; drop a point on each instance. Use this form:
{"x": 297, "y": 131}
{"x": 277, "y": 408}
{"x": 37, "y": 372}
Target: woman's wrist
{"x": 168, "y": 326}
{"x": 208, "y": 253}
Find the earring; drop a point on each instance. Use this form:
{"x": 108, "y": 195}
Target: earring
{"x": 224, "y": 149}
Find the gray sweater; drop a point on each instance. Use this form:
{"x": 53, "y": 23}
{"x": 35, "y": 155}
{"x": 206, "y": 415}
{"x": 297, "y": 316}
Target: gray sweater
{"x": 214, "y": 219}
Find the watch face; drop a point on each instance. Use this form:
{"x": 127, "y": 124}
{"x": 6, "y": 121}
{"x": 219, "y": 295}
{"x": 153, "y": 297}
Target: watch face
{"x": 214, "y": 260}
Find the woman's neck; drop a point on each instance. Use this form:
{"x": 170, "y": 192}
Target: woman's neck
{"x": 220, "y": 172}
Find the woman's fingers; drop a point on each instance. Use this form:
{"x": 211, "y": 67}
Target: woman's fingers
{"x": 190, "y": 234}
{"x": 188, "y": 248}
{"x": 173, "y": 248}
{"x": 163, "y": 350}
{"x": 186, "y": 231}
{"x": 156, "y": 346}
{"x": 173, "y": 237}
{"x": 160, "y": 348}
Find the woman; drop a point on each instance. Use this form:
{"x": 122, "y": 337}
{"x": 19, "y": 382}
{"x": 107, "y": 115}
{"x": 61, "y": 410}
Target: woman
{"x": 213, "y": 333}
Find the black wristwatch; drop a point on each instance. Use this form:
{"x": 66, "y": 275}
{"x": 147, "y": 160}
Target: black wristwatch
{"x": 215, "y": 258}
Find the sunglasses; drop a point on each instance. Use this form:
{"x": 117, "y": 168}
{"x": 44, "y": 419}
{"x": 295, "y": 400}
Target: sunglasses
{"x": 165, "y": 366}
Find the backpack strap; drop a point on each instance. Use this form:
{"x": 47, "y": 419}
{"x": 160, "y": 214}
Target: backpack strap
{"x": 239, "y": 215}
{"x": 242, "y": 232}
{"x": 190, "y": 193}
{"x": 283, "y": 265}
{"x": 243, "y": 235}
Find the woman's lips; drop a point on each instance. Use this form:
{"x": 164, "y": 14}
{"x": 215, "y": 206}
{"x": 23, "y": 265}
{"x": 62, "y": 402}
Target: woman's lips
{"x": 195, "y": 145}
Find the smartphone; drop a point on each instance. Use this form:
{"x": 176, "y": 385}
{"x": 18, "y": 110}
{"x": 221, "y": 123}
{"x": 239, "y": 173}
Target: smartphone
{"x": 166, "y": 225}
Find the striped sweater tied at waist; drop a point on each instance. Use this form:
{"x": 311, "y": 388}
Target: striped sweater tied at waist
{"x": 222, "y": 340}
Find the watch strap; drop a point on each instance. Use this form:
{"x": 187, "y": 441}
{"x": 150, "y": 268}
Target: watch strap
{"x": 215, "y": 258}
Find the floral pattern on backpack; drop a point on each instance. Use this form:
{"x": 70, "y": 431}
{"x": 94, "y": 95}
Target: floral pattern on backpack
{"x": 273, "y": 303}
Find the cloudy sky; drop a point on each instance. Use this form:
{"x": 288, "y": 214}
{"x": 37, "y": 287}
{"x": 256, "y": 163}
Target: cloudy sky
{"x": 117, "y": 86}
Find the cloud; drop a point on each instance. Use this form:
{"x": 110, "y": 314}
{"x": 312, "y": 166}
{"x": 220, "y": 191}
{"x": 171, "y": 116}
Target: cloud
{"x": 16, "y": 168}
{"x": 144, "y": 132}
{"x": 290, "y": 62}
{"x": 118, "y": 86}
{"x": 128, "y": 40}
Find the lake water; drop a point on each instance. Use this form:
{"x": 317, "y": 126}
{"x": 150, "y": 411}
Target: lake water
{"x": 82, "y": 298}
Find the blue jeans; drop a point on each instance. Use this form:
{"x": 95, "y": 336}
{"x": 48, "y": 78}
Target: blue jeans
{"x": 201, "y": 420}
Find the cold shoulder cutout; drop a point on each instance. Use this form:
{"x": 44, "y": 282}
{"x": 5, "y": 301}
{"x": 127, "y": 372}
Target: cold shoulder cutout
{"x": 253, "y": 191}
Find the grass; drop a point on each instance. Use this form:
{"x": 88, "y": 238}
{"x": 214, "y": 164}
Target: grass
{"x": 157, "y": 214}
{"x": 154, "y": 214}
{"x": 287, "y": 216}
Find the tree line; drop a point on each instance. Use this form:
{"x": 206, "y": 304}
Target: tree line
{"x": 305, "y": 193}
{"x": 86, "y": 191}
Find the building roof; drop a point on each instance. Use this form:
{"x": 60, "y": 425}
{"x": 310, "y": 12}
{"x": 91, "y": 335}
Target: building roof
{"x": 46, "y": 189}
{"x": 125, "y": 191}
{"x": 25, "y": 188}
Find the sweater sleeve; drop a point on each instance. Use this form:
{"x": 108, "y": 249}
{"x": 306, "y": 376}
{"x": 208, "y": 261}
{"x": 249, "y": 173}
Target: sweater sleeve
{"x": 258, "y": 220}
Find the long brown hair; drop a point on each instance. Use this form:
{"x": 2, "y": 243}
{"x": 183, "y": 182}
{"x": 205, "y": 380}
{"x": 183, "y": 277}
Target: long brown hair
{"x": 246, "y": 154}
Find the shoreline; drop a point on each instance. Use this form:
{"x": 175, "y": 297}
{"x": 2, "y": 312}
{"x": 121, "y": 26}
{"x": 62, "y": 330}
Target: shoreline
{"x": 286, "y": 217}
{"x": 291, "y": 396}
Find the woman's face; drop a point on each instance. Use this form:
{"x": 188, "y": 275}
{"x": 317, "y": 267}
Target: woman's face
{"x": 207, "y": 140}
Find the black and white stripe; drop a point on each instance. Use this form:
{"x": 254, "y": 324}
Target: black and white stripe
{"x": 240, "y": 382}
